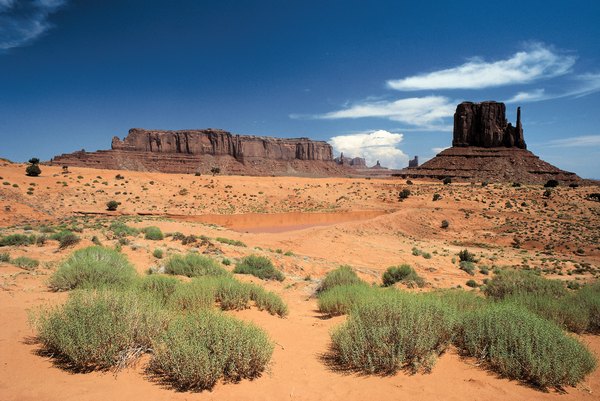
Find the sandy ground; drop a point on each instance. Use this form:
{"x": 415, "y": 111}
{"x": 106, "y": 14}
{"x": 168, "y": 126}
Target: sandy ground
{"x": 319, "y": 224}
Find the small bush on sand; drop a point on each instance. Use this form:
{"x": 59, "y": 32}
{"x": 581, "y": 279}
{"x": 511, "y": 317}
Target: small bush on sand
{"x": 112, "y": 205}
{"x": 121, "y": 229}
{"x": 520, "y": 345}
{"x": 158, "y": 253}
{"x": 15, "y": 240}
{"x": 466, "y": 256}
{"x": 404, "y": 274}
{"x": 258, "y": 266}
{"x": 343, "y": 275}
{"x": 153, "y": 233}
{"x": 93, "y": 267}
{"x": 25, "y": 263}
{"x": 230, "y": 241}
{"x": 199, "y": 349}
{"x": 193, "y": 265}
{"x": 394, "y": 331}
{"x": 551, "y": 184}
{"x": 99, "y": 330}
{"x": 340, "y": 300}
{"x": 4, "y": 257}
{"x": 511, "y": 282}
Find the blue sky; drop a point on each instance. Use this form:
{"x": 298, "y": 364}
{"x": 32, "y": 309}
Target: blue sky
{"x": 378, "y": 79}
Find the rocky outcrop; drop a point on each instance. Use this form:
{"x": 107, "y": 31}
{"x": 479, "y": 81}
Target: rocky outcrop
{"x": 485, "y": 147}
{"x": 414, "y": 162}
{"x": 356, "y": 162}
{"x": 190, "y": 151}
{"x": 485, "y": 125}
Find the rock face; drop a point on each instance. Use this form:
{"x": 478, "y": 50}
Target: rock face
{"x": 485, "y": 125}
{"x": 414, "y": 162}
{"x": 485, "y": 147}
{"x": 190, "y": 151}
{"x": 356, "y": 162}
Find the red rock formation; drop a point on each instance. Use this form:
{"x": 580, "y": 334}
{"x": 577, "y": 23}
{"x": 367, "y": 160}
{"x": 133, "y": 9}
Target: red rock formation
{"x": 189, "y": 151}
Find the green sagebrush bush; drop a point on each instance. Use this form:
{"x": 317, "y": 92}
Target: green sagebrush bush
{"x": 343, "y": 275}
{"x": 193, "y": 265}
{"x": 403, "y": 273}
{"x": 153, "y": 233}
{"x": 511, "y": 282}
{"x": 199, "y": 349}
{"x": 521, "y": 345}
{"x": 339, "y": 300}
{"x": 93, "y": 267}
{"x": 393, "y": 331}
{"x": 258, "y": 266}
{"x": 99, "y": 329}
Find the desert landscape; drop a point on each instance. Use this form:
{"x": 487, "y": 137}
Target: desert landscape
{"x": 307, "y": 227}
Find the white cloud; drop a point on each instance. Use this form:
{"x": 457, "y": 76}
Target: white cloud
{"x": 427, "y": 111}
{"x": 577, "y": 141}
{"x": 23, "y": 22}
{"x": 535, "y": 63}
{"x": 438, "y": 150}
{"x": 377, "y": 145}
{"x": 586, "y": 84}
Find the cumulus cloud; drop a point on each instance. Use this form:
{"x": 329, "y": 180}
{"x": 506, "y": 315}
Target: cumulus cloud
{"x": 24, "y": 21}
{"x": 576, "y": 141}
{"x": 377, "y": 145}
{"x": 537, "y": 62}
{"x": 427, "y": 111}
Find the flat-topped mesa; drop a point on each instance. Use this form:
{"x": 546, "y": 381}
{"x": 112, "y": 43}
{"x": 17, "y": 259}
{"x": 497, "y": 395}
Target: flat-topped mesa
{"x": 218, "y": 142}
{"x": 484, "y": 125}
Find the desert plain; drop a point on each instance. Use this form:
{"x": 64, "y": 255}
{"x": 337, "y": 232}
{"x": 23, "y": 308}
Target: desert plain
{"x": 306, "y": 227}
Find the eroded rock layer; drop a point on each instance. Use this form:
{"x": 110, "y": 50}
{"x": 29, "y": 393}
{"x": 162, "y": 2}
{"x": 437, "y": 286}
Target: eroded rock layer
{"x": 191, "y": 151}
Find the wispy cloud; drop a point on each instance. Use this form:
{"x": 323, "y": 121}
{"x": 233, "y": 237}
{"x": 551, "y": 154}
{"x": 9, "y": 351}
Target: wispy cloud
{"x": 21, "y": 22}
{"x": 427, "y": 111}
{"x": 377, "y": 145}
{"x": 534, "y": 63}
{"x": 438, "y": 150}
{"x": 584, "y": 84}
{"x": 576, "y": 141}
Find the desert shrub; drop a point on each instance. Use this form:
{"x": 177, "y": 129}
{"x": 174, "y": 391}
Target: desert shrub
{"x": 199, "y": 349}
{"x": 512, "y": 282}
{"x": 268, "y": 301}
{"x": 405, "y": 193}
{"x": 403, "y": 273}
{"x": 466, "y": 256}
{"x": 193, "y": 265}
{"x": 191, "y": 296}
{"x": 25, "y": 263}
{"x": 112, "y": 205}
{"x": 343, "y": 275}
{"x": 230, "y": 241}
{"x": 153, "y": 233}
{"x": 520, "y": 345}
{"x": 99, "y": 329}
{"x": 65, "y": 238}
{"x": 436, "y": 197}
{"x": 445, "y": 224}
{"x": 215, "y": 170}
{"x": 226, "y": 262}
{"x": 121, "y": 229}
{"x": 33, "y": 170}
{"x": 93, "y": 267}
{"x": 15, "y": 240}
{"x": 387, "y": 333}
{"x": 339, "y": 300}
{"x": 189, "y": 239}
{"x": 230, "y": 293}
{"x": 159, "y": 286}
{"x": 447, "y": 180}
{"x": 158, "y": 253}
{"x": 258, "y": 266}
{"x": 4, "y": 257}
{"x": 573, "y": 185}
{"x": 472, "y": 283}
{"x": 467, "y": 267}
{"x": 516, "y": 184}
{"x": 460, "y": 300}
{"x": 551, "y": 184}
{"x": 594, "y": 197}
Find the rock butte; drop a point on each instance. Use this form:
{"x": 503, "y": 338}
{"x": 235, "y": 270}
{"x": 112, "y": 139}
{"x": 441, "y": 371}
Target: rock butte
{"x": 485, "y": 147}
{"x": 192, "y": 151}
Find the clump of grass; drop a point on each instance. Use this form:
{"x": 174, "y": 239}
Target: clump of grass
{"x": 192, "y": 296}
{"x": 99, "y": 330}
{"x": 193, "y": 265}
{"x": 230, "y": 241}
{"x": 65, "y": 238}
{"x": 121, "y": 229}
{"x": 258, "y": 266}
{"x": 15, "y": 240}
{"x": 153, "y": 233}
{"x": 511, "y": 282}
{"x": 268, "y": 301}
{"x": 343, "y": 275}
{"x": 404, "y": 274}
{"x": 387, "y": 333}
{"x": 158, "y": 253}
{"x": 199, "y": 349}
{"x": 520, "y": 345}
{"x": 339, "y": 300}
{"x": 159, "y": 286}
{"x": 25, "y": 263}
{"x": 93, "y": 267}
{"x": 4, "y": 257}
{"x": 466, "y": 256}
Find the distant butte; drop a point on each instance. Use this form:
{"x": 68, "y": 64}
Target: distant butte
{"x": 198, "y": 151}
{"x": 486, "y": 147}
